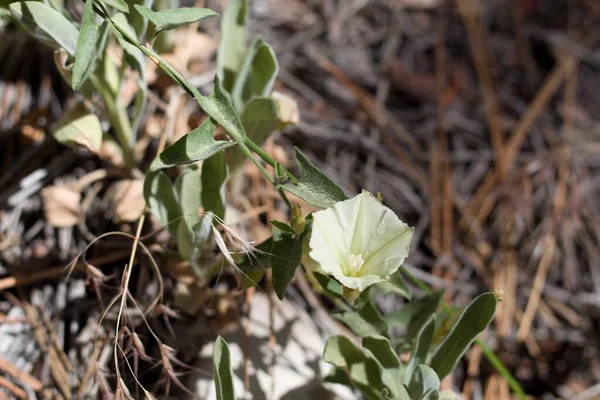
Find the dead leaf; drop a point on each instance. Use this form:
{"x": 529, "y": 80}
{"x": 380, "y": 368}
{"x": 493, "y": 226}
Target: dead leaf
{"x": 111, "y": 152}
{"x": 61, "y": 206}
{"x": 79, "y": 126}
{"x": 127, "y": 199}
{"x": 287, "y": 109}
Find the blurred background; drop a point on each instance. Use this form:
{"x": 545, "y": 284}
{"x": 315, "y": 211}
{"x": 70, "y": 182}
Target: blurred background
{"x": 475, "y": 119}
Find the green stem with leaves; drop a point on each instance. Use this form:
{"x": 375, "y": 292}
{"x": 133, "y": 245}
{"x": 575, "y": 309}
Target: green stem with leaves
{"x": 487, "y": 352}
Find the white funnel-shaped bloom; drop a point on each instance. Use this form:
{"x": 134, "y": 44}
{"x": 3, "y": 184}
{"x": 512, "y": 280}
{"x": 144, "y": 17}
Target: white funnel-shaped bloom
{"x": 359, "y": 241}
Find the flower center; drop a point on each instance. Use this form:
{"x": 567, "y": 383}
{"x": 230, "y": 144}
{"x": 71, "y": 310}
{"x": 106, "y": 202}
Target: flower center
{"x": 355, "y": 263}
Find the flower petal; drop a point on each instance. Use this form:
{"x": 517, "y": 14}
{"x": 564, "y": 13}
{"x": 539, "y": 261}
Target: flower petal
{"x": 359, "y": 282}
{"x": 386, "y": 259}
{"x": 370, "y": 214}
{"x": 332, "y": 232}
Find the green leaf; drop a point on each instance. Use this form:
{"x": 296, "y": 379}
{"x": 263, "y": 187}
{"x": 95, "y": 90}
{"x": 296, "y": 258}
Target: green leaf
{"x": 424, "y": 384}
{"x": 260, "y": 258}
{"x": 252, "y": 278}
{"x": 341, "y": 352}
{"x": 367, "y": 377}
{"x": 188, "y": 187}
{"x": 120, "y": 5}
{"x": 90, "y": 43}
{"x": 136, "y": 60}
{"x": 395, "y": 285}
{"x": 214, "y": 177}
{"x": 185, "y": 239}
{"x": 367, "y": 322}
{"x": 137, "y": 21}
{"x": 134, "y": 56}
{"x": 314, "y": 186}
{"x": 79, "y": 127}
{"x": 444, "y": 321}
{"x": 46, "y": 24}
{"x": 260, "y": 119}
{"x": 219, "y": 108}
{"x": 222, "y": 370}
{"x": 381, "y": 349}
{"x": 257, "y": 75}
{"x": 474, "y": 319}
{"x": 339, "y": 376}
{"x": 282, "y": 226}
{"x": 168, "y": 19}
{"x": 197, "y": 145}
{"x": 162, "y": 200}
{"x": 254, "y": 264}
{"x": 232, "y": 49}
{"x": 415, "y": 314}
{"x": 401, "y": 288}
{"x": 329, "y": 284}
{"x": 202, "y": 232}
{"x": 285, "y": 258}
{"x": 365, "y": 373}
{"x": 420, "y": 349}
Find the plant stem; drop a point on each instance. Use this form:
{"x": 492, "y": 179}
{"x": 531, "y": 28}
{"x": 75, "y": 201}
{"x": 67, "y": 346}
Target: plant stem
{"x": 487, "y": 352}
{"x": 260, "y": 167}
{"x": 118, "y": 118}
{"x": 260, "y": 152}
{"x": 267, "y": 158}
{"x": 285, "y": 198}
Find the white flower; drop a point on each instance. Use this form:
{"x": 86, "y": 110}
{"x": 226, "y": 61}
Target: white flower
{"x": 359, "y": 241}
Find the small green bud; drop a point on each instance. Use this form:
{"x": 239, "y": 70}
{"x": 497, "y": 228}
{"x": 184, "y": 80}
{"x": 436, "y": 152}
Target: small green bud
{"x": 297, "y": 221}
{"x": 350, "y": 295}
{"x": 379, "y": 197}
{"x": 281, "y": 175}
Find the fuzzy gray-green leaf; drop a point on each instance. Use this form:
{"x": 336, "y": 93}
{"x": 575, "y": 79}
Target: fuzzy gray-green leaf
{"x": 222, "y": 370}
{"x": 367, "y": 322}
{"x": 136, "y": 60}
{"x": 188, "y": 187}
{"x": 46, "y": 24}
{"x": 329, "y": 284}
{"x": 364, "y": 372}
{"x": 214, "y": 176}
{"x": 381, "y": 350}
{"x": 260, "y": 120}
{"x": 414, "y": 315}
{"x": 285, "y": 258}
{"x": 424, "y": 384}
{"x": 168, "y": 19}
{"x": 232, "y": 49}
{"x": 473, "y": 320}
{"x": 257, "y": 74}
{"x": 162, "y": 200}
{"x": 90, "y": 44}
{"x": 219, "y": 108}
{"x": 120, "y": 5}
{"x": 420, "y": 349}
{"x": 197, "y": 145}
{"x": 314, "y": 186}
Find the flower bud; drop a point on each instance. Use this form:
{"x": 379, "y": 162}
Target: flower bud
{"x": 297, "y": 221}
